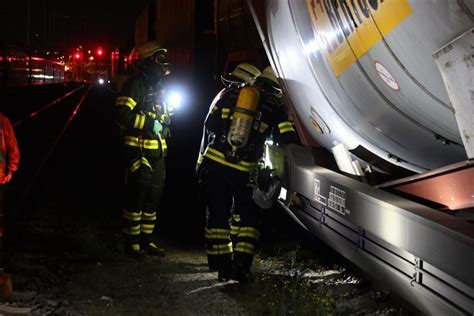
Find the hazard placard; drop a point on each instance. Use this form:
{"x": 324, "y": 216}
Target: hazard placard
{"x": 386, "y": 76}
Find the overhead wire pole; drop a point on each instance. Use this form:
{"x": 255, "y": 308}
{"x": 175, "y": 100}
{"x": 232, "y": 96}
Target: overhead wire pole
{"x": 28, "y": 24}
{"x": 28, "y": 49}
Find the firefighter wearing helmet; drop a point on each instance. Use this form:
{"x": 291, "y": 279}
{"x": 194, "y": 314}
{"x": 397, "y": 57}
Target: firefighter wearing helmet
{"x": 241, "y": 117}
{"x": 139, "y": 110}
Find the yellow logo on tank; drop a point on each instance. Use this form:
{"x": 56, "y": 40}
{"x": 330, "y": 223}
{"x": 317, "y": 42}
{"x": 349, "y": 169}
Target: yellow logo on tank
{"x": 347, "y": 29}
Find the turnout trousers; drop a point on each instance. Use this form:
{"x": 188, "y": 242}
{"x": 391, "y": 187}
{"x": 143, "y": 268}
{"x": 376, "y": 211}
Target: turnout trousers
{"x": 143, "y": 191}
{"x": 232, "y": 218}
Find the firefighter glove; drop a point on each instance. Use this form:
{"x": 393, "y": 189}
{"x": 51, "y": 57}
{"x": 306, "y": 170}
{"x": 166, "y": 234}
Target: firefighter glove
{"x": 264, "y": 179}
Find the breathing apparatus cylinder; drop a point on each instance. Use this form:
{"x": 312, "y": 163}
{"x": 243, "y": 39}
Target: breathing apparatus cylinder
{"x": 243, "y": 116}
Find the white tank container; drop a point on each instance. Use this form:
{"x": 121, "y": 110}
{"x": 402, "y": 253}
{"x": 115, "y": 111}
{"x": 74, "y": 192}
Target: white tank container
{"x": 361, "y": 73}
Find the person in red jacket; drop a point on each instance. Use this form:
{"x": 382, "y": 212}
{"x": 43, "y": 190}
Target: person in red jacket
{"x": 9, "y": 158}
{"x": 9, "y": 153}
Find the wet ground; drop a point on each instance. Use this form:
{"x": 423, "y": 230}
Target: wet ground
{"x": 66, "y": 249}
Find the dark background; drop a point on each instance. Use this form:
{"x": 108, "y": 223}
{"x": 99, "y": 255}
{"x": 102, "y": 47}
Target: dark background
{"x": 62, "y": 25}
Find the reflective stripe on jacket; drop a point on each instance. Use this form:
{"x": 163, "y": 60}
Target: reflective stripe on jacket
{"x": 135, "y": 110}
{"x": 219, "y": 157}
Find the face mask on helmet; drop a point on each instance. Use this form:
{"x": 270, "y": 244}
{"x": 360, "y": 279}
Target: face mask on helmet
{"x": 269, "y": 87}
{"x": 269, "y": 82}
{"x": 161, "y": 60}
{"x": 153, "y": 71}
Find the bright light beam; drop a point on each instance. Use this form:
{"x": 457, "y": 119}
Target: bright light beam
{"x": 174, "y": 100}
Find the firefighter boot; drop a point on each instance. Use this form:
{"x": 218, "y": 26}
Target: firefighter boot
{"x": 241, "y": 265}
{"x": 212, "y": 264}
{"x": 224, "y": 273}
{"x": 241, "y": 274}
{"x": 135, "y": 252}
{"x": 151, "y": 249}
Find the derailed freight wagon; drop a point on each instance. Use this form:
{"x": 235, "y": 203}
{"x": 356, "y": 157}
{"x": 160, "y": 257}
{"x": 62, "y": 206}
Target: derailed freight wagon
{"x": 386, "y": 88}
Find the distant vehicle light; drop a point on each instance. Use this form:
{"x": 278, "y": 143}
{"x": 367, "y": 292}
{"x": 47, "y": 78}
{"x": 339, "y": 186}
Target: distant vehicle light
{"x": 42, "y": 76}
{"x": 101, "y": 81}
{"x": 77, "y": 55}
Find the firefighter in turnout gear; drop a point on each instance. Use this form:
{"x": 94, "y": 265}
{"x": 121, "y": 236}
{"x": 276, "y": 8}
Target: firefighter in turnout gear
{"x": 241, "y": 117}
{"x": 139, "y": 110}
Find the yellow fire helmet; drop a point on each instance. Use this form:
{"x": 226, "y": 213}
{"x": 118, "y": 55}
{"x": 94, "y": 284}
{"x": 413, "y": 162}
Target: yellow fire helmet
{"x": 246, "y": 72}
{"x": 269, "y": 74}
{"x": 150, "y": 48}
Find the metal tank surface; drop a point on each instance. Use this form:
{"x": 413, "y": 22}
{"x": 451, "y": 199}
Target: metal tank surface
{"x": 361, "y": 73}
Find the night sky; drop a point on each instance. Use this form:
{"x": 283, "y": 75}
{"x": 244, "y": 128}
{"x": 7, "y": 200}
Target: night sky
{"x": 62, "y": 25}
